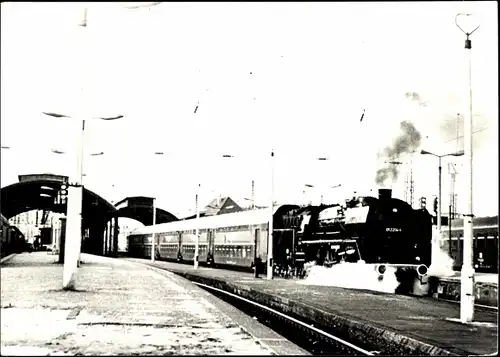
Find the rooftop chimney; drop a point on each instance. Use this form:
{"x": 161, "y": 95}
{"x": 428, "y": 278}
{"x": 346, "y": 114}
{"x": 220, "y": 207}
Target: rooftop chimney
{"x": 384, "y": 194}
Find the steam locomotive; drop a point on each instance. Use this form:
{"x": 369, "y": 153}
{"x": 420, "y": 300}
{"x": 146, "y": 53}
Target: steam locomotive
{"x": 380, "y": 231}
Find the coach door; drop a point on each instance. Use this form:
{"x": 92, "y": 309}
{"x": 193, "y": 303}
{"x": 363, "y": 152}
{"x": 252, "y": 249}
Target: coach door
{"x": 256, "y": 240}
{"x": 210, "y": 242}
{"x": 179, "y": 247}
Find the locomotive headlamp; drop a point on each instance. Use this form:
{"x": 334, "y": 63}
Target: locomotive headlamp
{"x": 422, "y": 270}
{"x": 381, "y": 269}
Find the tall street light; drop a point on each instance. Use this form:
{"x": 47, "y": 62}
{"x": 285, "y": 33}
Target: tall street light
{"x": 197, "y": 228}
{"x": 312, "y": 186}
{"x": 331, "y": 187}
{"x": 321, "y": 197}
{"x": 252, "y": 207}
{"x": 467, "y": 274}
{"x": 270, "y": 228}
{"x": 435, "y": 240}
{"x": 60, "y": 152}
{"x": 153, "y": 238}
{"x": 73, "y": 242}
{"x": 271, "y": 224}
{"x": 153, "y": 235}
{"x": 304, "y": 193}
{"x": 252, "y": 200}
{"x": 197, "y": 221}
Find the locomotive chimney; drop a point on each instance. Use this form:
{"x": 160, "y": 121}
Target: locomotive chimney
{"x": 384, "y": 194}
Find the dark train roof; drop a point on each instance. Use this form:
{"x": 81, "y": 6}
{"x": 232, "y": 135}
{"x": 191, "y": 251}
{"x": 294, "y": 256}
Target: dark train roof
{"x": 478, "y": 221}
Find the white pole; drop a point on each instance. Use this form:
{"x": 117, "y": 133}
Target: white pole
{"x": 153, "y": 229}
{"x": 270, "y": 226}
{"x": 73, "y": 237}
{"x": 437, "y": 237}
{"x": 253, "y": 194}
{"x": 73, "y": 232}
{"x": 467, "y": 275}
{"x": 197, "y": 232}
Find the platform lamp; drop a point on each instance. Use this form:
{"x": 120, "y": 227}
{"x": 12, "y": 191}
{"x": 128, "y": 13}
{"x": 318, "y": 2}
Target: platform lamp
{"x": 153, "y": 228}
{"x": 465, "y": 23}
{"x": 334, "y": 186}
{"x": 197, "y": 229}
{"x": 270, "y": 246}
{"x": 435, "y": 242}
{"x": 304, "y": 193}
{"x": 74, "y": 209}
{"x": 321, "y": 194}
{"x": 73, "y": 223}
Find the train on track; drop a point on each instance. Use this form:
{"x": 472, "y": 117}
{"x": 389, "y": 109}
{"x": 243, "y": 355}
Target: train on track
{"x": 11, "y": 239}
{"x": 379, "y": 230}
{"x": 485, "y": 233}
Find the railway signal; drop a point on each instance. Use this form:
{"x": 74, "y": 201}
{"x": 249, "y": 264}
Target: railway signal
{"x": 63, "y": 194}
{"x": 423, "y": 202}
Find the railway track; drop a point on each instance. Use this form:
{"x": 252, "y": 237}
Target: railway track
{"x": 312, "y": 339}
{"x": 308, "y": 337}
{"x": 315, "y": 339}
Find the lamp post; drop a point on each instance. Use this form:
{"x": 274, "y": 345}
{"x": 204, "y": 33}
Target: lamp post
{"x": 467, "y": 273}
{"x": 59, "y": 152}
{"x": 254, "y": 236}
{"x": 435, "y": 242}
{"x": 73, "y": 242}
{"x": 304, "y": 193}
{"x": 197, "y": 223}
{"x": 336, "y": 186}
{"x": 271, "y": 224}
{"x": 197, "y": 230}
{"x": 312, "y": 186}
{"x": 153, "y": 229}
{"x": 153, "y": 235}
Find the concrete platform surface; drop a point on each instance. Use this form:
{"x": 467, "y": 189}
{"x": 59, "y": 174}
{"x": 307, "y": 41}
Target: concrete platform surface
{"x": 487, "y": 278}
{"x": 119, "y": 308}
{"x": 415, "y": 325}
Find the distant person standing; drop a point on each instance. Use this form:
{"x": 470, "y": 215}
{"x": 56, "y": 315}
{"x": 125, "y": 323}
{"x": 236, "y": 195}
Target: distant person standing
{"x": 36, "y": 244}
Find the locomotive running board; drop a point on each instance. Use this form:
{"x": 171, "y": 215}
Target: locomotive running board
{"x": 328, "y": 241}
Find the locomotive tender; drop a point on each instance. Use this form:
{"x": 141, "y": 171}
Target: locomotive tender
{"x": 381, "y": 231}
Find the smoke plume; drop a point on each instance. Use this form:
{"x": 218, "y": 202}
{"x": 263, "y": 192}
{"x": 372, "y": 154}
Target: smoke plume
{"x": 415, "y": 97}
{"x": 407, "y": 142}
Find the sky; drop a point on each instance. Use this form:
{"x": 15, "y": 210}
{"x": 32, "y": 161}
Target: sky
{"x": 289, "y": 77}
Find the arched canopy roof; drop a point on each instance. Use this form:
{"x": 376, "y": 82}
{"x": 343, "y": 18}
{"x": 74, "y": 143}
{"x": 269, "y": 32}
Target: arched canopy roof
{"x": 140, "y": 208}
{"x": 41, "y": 192}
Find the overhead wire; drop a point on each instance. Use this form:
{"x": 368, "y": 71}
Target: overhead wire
{"x": 461, "y": 136}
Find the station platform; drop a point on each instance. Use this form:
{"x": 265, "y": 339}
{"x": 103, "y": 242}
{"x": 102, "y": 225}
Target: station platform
{"x": 120, "y": 308}
{"x": 486, "y": 288}
{"x": 395, "y": 324}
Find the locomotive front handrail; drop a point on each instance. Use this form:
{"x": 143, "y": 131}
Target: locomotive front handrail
{"x": 320, "y": 241}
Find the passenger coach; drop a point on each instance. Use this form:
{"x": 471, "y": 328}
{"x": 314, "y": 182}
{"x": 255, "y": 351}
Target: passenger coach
{"x": 236, "y": 239}
{"x": 485, "y": 246}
